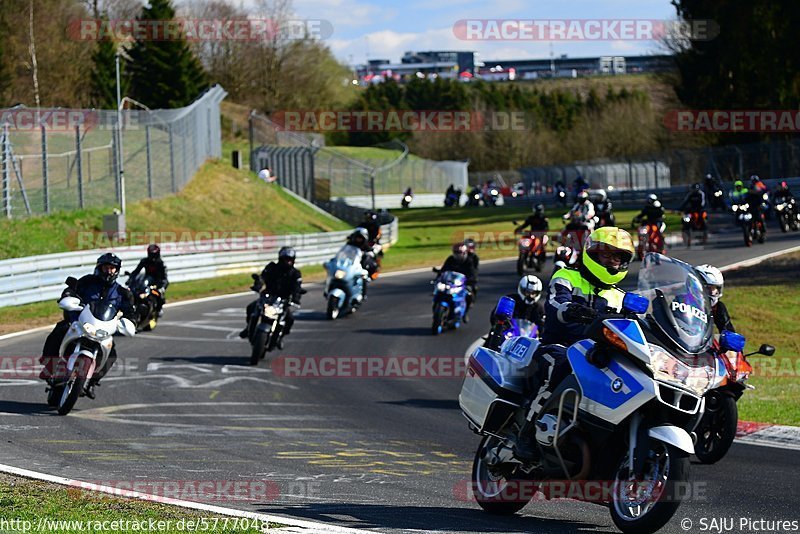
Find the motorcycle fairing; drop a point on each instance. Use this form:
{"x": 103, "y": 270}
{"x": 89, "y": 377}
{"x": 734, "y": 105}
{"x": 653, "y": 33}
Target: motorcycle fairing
{"x": 631, "y": 333}
{"x": 611, "y": 393}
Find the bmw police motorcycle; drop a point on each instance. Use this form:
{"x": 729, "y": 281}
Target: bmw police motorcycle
{"x": 617, "y": 420}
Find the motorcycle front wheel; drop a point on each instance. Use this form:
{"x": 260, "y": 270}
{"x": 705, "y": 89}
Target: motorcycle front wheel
{"x": 333, "y": 307}
{"x": 439, "y": 315}
{"x": 644, "y": 506}
{"x": 496, "y": 488}
{"x": 259, "y": 346}
{"x": 74, "y": 386}
{"x": 717, "y": 428}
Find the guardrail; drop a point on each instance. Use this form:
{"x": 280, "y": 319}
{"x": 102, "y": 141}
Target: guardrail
{"x": 41, "y": 278}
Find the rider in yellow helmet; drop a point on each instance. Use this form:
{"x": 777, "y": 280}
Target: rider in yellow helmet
{"x": 576, "y": 296}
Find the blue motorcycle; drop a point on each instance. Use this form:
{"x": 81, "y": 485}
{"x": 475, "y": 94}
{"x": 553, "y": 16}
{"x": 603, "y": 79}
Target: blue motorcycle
{"x": 344, "y": 287}
{"x": 449, "y": 300}
{"x": 506, "y": 327}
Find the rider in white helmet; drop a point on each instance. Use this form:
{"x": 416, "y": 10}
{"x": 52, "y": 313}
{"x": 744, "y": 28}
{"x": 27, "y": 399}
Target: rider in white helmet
{"x": 714, "y": 285}
{"x": 528, "y": 303}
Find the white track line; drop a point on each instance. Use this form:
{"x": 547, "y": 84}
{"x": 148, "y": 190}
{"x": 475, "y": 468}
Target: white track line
{"x": 311, "y": 526}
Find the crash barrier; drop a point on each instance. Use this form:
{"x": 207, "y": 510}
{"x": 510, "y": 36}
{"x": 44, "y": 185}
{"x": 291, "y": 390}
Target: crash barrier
{"x": 40, "y": 278}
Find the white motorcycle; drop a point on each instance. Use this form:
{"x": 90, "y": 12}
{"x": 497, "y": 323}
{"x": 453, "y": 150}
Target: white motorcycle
{"x": 620, "y": 416}
{"x": 85, "y": 349}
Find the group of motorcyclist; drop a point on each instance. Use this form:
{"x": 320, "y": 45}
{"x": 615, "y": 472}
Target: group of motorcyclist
{"x": 576, "y": 291}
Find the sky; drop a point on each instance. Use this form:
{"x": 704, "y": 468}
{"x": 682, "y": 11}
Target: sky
{"x": 385, "y": 29}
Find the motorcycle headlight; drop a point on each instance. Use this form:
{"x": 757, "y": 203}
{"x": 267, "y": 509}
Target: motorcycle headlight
{"x": 525, "y": 242}
{"x": 735, "y": 208}
{"x": 494, "y": 192}
{"x": 102, "y": 333}
{"x": 718, "y": 194}
{"x": 441, "y": 286}
{"x": 687, "y": 218}
{"x": 745, "y": 207}
{"x": 455, "y": 289}
{"x": 765, "y": 197}
{"x": 779, "y": 207}
{"x": 748, "y": 216}
{"x": 667, "y": 368}
{"x": 271, "y": 311}
{"x": 339, "y": 274}
{"x": 89, "y": 328}
{"x": 142, "y": 295}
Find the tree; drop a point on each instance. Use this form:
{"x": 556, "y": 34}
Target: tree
{"x": 753, "y": 62}
{"x": 164, "y": 73}
{"x": 103, "y": 93}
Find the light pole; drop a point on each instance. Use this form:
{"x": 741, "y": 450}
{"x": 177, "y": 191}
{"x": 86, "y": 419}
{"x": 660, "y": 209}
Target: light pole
{"x": 119, "y": 139}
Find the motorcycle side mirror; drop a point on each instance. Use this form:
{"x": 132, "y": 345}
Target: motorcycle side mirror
{"x": 254, "y": 276}
{"x": 126, "y": 327}
{"x": 71, "y": 282}
{"x": 515, "y": 223}
{"x": 731, "y": 341}
{"x": 126, "y": 273}
{"x": 764, "y": 350}
{"x": 505, "y": 308}
{"x": 435, "y": 269}
{"x": 635, "y": 303}
{"x": 70, "y": 304}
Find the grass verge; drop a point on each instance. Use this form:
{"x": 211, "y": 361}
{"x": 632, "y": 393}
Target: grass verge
{"x": 763, "y": 301}
{"x": 219, "y": 198}
{"x": 31, "y": 503}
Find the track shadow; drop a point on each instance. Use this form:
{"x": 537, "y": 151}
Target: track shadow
{"x": 397, "y": 331}
{"x": 438, "y": 404}
{"x": 211, "y": 360}
{"x": 25, "y": 408}
{"x": 431, "y": 519}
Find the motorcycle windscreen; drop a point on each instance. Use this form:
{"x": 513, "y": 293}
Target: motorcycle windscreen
{"x": 525, "y": 328}
{"x": 347, "y": 256}
{"x": 103, "y": 310}
{"x": 453, "y": 279}
{"x": 141, "y": 283}
{"x": 678, "y": 301}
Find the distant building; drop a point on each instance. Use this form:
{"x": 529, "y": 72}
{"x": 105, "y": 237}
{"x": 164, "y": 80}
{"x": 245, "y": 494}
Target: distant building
{"x": 464, "y": 66}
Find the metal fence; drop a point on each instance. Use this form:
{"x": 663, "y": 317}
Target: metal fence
{"x": 55, "y": 159}
{"x": 337, "y": 175}
{"x": 676, "y": 167}
{"x": 39, "y": 278}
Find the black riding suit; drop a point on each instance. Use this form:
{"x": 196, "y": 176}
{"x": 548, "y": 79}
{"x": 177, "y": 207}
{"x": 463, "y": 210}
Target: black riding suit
{"x": 282, "y": 280}
{"x": 158, "y": 272}
{"x": 467, "y": 268}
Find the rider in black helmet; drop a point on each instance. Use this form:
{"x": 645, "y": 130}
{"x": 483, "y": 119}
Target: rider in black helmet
{"x": 154, "y": 267}
{"x": 280, "y": 279}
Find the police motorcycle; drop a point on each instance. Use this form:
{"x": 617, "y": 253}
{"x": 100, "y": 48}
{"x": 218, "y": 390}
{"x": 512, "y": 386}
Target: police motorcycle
{"x": 506, "y": 327}
{"x": 85, "y": 348}
{"x": 449, "y": 300}
{"x": 637, "y": 379}
{"x": 344, "y": 286}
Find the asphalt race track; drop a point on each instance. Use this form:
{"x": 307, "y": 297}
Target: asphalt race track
{"x": 376, "y": 453}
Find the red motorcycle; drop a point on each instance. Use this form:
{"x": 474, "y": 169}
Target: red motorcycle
{"x": 717, "y": 424}
{"x": 693, "y": 222}
{"x": 532, "y": 252}
{"x": 651, "y": 239}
